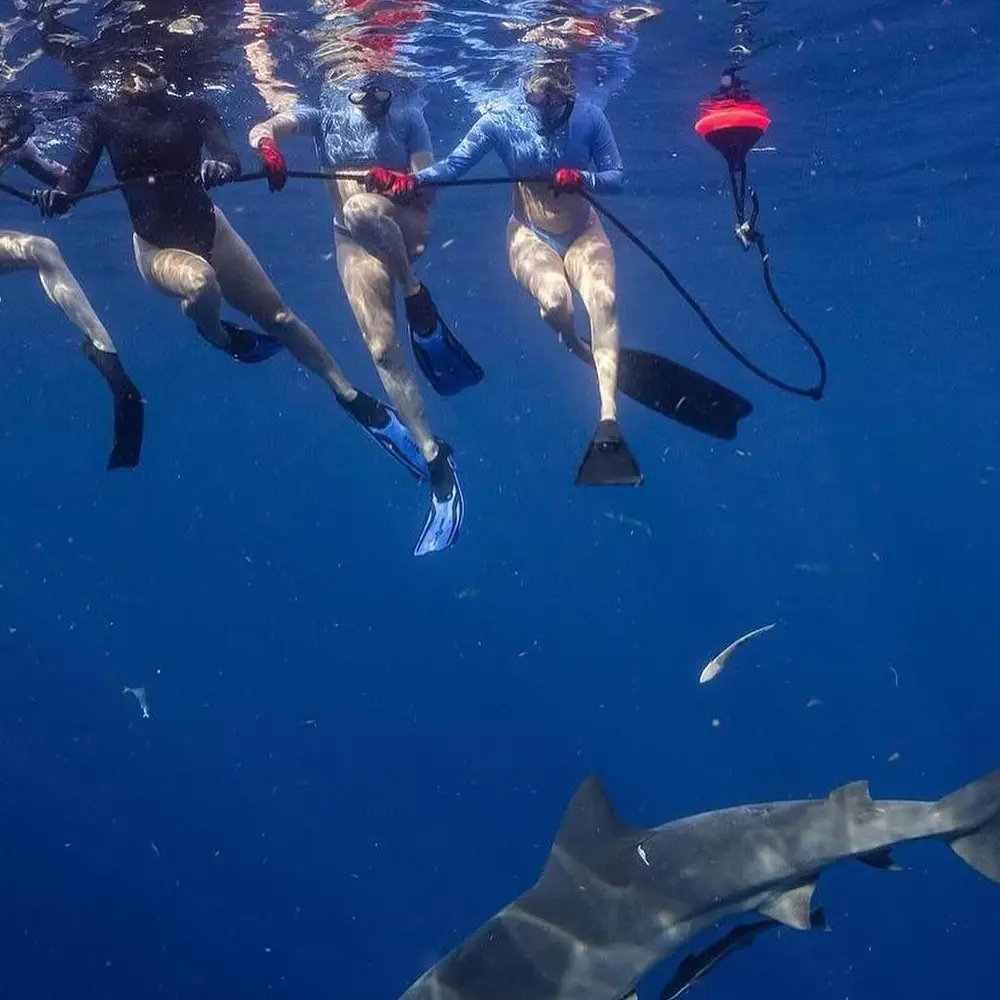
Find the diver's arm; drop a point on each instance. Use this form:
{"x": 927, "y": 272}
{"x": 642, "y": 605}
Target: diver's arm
{"x": 216, "y": 140}
{"x": 609, "y": 175}
{"x": 463, "y": 157}
{"x": 89, "y": 147}
{"x": 421, "y": 155}
{"x": 32, "y": 162}
{"x": 283, "y": 125}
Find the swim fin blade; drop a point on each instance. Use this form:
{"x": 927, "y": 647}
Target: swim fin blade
{"x": 249, "y": 347}
{"x": 686, "y": 396}
{"x": 382, "y": 424}
{"x": 446, "y": 364}
{"x": 447, "y": 508}
{"x": 673, "y": 391}
{"x": 129, "y": 407}
{"x": 608, "y": 460}
{"x": 129, "y": 421}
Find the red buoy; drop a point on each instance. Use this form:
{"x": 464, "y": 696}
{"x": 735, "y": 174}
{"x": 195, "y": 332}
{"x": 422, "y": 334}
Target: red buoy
{"x": 732, "y": 125}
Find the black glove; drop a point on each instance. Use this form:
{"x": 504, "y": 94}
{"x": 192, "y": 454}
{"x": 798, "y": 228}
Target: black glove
{"x": 215, "y": 172}
{"x": 52, "y": 202}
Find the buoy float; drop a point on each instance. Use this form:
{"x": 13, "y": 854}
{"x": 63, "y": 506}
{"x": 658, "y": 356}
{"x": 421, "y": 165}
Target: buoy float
{"x": 732, "y": 125}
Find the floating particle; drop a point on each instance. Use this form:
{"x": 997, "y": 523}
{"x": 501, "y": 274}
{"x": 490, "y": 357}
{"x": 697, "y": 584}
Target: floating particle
{"x": 139, "y": 694}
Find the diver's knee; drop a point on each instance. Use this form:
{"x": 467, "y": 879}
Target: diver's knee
{"x": 277, "y": 320}
{"x": 602, "y": 302}
{"x": 45, "y": 252}
{"x": 198, "y": 281}
{"x": 360, "y": 210}
{"x": 382, "y": 354}
{"x": 555, "y": 303}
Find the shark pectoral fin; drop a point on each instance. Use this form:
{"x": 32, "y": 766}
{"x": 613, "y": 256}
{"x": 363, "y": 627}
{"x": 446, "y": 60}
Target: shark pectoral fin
{"x": 792, "y": 908}
{"x": 883, "y": 860}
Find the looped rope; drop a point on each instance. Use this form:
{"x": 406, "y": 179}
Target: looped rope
{"x": 813, "y": 392}
{"x": 749, "y": 236}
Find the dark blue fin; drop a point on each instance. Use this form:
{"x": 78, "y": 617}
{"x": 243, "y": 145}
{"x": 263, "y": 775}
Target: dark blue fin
{"x": 382, "y": 424}
{"x": 447, "y": 365}
{"x": 249, "y": 347}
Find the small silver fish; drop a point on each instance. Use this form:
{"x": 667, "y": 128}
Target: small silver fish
{"x": 715, "y": 665}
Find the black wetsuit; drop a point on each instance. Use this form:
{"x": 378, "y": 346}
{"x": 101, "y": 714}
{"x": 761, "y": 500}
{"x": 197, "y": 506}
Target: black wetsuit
{"x": 165, "y": 137}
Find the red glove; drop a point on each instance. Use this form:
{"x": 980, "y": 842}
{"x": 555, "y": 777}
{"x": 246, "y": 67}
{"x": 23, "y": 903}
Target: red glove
{"x": 567, "y": 179}
{"x": 273, "y": 163}
{"x": 393, "y": 183}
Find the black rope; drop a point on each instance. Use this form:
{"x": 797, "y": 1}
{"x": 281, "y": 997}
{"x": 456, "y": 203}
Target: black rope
{"x": 813, "y": 393}
{"x": 15, "y": 193}
{"x": 749, "y": 236}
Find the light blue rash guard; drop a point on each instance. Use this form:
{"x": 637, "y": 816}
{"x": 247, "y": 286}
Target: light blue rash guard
{"x": 343, "y": 136}
{"x": 585, "y": 140}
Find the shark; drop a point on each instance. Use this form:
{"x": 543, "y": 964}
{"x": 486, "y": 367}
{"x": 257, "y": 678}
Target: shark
{"x": 613, "y": 900}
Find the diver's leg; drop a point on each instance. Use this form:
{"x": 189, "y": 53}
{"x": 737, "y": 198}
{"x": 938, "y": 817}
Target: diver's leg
{"x": 395, "y": 234}
{"x": 539, "y": 270}
{"x": 24, "y": 251}
{"x": 186, "y": 276}
{"x": 371, "y": 220}
{"x": 368, "y": 286}
{"x": 246, "y": 287}
{"x": 590, "y": 266}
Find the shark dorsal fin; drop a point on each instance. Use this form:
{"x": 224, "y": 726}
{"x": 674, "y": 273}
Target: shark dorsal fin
{"x": 792, "y": 908}
{"x": 853, "y": 791}
{"x": 589, "y": 820}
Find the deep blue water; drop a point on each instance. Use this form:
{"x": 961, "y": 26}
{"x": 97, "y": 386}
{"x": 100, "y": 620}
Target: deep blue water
{"x": 355, "y": 756}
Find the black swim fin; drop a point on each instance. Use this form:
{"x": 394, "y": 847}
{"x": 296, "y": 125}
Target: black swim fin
{"x": 608, "y": 461}
{"x": 129, "y": 407}
{"x": 446, "y": 364}
{"x": 673, "y": 391}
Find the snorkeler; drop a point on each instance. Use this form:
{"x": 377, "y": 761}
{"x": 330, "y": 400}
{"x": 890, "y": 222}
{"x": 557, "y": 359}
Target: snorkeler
{"x": 24, "y": 251}
{"x": 555, "y": 241}
{"x": 184, "y": 245}
{"x": 376, "y": 238}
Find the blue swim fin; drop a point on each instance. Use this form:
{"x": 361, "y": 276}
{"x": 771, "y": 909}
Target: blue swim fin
{"x": 447, "y": 509}
{"x": 248, "y": 346}
{"x": 447, "y": 365}
{"x": 382, "y": 424}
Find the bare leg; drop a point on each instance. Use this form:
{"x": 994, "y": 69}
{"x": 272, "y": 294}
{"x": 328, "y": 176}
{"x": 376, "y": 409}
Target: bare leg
{"x": 590, "y": 265}
{"x": 392, "y": 233}
{"x": 19, "y": 251}
{"x": 539, "y": 270}
{"x": 188, "y": 277}
{"x": 246, "y": 287}
{"x": 368, "y": 285}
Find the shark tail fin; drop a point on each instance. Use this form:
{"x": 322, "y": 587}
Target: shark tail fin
{"x": 981, "y": 849}
{"x": 974, "y": 812}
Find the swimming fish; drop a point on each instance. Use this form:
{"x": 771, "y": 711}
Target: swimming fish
{"x": 714, "y": 666}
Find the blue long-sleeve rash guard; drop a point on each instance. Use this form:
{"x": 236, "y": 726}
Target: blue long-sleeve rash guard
{"x": 585, "y": 140}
